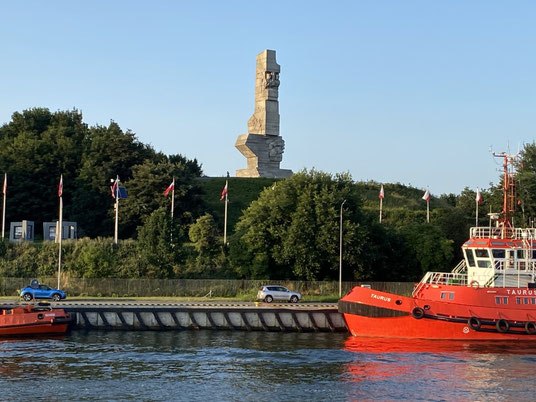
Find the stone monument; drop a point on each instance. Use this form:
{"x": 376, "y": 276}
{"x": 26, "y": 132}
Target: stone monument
{"x": 263, "y": 146}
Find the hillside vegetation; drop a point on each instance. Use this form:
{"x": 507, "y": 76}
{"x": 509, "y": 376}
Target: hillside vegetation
{"x": 277, "y": 229}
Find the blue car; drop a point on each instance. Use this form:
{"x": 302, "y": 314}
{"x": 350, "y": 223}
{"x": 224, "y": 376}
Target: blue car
{"x": 38, "y": 291}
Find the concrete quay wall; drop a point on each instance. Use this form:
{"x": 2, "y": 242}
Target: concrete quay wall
{"x": 300, "y": 318}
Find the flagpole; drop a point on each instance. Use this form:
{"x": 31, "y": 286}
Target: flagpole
{"x": 381, "y": 206}
{"x": 225, "y": 218}
{"x": 476, "y": 220}
{"x": 60, "y": 238}
{"x": 116, "y": 195}
{"x": 60, "y": 235}
{"x": 172, "y": 198}
{"x": 4, "y": 206}
{"x": 427, "y": 211}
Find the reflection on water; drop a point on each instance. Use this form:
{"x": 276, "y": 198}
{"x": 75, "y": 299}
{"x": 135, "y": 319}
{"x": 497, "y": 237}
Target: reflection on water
{"x": 225, "y": 365}
{"x": 441, "y": 370}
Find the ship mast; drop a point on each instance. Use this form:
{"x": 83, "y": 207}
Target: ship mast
{"x": 509, "y": 193}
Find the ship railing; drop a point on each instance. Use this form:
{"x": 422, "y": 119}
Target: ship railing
{"x": 483, "y": 232}
{"x": 460, "y": 268}
{"x": 441, "y": 278}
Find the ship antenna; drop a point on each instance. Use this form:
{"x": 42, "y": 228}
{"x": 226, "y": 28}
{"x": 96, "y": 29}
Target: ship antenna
{"x": 508, "y": 190}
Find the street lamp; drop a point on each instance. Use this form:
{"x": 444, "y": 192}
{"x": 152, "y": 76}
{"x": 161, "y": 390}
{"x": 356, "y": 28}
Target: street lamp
{"x": 340, "y": 252}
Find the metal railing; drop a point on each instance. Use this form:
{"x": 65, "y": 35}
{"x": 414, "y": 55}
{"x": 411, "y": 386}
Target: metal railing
{"x": 441, "y": 278}
{"x": 483, "y": 232}
{"x": 460, "y": 268}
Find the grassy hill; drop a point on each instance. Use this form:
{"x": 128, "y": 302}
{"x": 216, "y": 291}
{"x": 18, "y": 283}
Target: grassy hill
{"x": 242, "y": 191}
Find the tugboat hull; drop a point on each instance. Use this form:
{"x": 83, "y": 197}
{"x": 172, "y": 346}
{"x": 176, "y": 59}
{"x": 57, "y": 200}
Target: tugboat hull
{"x": 33, "y": 320}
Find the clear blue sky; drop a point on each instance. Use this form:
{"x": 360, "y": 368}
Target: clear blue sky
{"x": 394, "y": 91}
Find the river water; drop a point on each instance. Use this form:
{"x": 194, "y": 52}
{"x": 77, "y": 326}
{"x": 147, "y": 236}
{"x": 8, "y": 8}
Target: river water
{"x": 256, "y": 366}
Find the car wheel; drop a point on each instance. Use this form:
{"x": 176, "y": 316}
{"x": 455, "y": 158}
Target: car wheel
{"x": 268, "y": 299}
{"x": 27, "y": 297}
{"x": 56, "y": 297}
{"x": 294, "y": 299}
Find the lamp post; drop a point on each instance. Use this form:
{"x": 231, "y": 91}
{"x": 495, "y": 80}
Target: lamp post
{"x": 340, "y": 252}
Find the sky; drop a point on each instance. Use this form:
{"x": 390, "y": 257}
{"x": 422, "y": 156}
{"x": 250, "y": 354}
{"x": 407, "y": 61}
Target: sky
{"x": 414, "y": 92}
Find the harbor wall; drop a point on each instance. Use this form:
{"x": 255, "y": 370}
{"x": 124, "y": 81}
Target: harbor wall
{"x": 111, "y": 287}
{"x": 207, "y": 316}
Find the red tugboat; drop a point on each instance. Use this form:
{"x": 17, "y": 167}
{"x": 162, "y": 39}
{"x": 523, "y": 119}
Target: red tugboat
{"x": 489, "y": 295}
{"x": 32, "y": 320}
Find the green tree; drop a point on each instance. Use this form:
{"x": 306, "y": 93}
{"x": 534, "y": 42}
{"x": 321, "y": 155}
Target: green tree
{"x": 107, "y": 152}
{"x": 37, "y": 147}
{"x": 210, "y": 260}
{"x": 146, "y": 187}
{"x": 292, "y": 230}
{"x": 430, "y": 249}
{"x": 158, "y": 245}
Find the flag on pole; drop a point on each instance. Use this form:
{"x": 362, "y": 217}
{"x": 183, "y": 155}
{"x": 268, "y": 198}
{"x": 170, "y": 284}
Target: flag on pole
{"x": 224, "y": 191}
{"x": 4, "y": 190}
{"x": 171, "y": 187}
{"x": 382, "y": 193}
{"x": 60, "y": 187}
{"x": 426, "y": 196}
{"x": 479, "y": 198}
{"x": 114, "y": 188}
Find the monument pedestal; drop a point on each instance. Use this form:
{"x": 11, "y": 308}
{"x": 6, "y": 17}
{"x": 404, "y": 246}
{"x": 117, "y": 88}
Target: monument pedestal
{"x": 264, "y": 154}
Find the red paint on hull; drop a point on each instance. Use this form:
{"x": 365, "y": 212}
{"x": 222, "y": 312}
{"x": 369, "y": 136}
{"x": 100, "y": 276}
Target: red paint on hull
{"x": 32, "y": 320}
{"x": 410, "y": 328}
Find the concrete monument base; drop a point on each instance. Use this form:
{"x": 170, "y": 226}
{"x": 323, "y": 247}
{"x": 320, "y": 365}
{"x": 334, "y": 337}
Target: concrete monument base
{"x": 263, "y": 153}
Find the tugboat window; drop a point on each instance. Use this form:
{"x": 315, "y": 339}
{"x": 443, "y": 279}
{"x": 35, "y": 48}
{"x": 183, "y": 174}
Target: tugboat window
{"x": 484, "y": 264}
{"x": 469, "y": 255}
{"x": 481, "y": 253}
{"x": 498, "y": 253}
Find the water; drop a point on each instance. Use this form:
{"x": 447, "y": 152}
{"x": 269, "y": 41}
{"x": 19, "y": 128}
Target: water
{"x": 245, "y": 366}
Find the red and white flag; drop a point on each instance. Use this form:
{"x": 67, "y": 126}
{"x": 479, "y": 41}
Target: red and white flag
{"x": 224, "y": 191}
{"x": 60, "y": 187}
{"x": 381, "y": 193}
{"x": 479, "y": 198}
{"x": 4, "y": 190}
{"x": 426, "y": 196}
{"x": 114, "y": 188}
{"x": 171, "y": 187}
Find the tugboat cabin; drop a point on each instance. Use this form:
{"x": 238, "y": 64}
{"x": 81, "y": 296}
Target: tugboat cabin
{"x": 492, "y": 259}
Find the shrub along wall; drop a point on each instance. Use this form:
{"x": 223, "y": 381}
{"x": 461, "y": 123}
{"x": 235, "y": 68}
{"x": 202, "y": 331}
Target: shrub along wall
{"x": 110, "y": 287}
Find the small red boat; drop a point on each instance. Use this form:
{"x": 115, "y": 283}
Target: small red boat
{"x": 32, "y": 320}
{"x": 489, "y": 295}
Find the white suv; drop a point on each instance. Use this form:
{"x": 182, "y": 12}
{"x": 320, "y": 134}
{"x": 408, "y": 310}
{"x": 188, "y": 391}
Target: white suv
{"x": 270, "y": 293}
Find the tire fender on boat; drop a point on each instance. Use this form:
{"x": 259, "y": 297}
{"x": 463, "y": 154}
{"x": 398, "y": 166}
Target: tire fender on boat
{"x": 417, "y": 313}
{"x": 502, "y": 325}
{"x": 474, "y": 323}
{"x": 530, "y": 327}
{"x": 475, "y": 284}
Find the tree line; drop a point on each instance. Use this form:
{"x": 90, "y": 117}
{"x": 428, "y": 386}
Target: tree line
{"x": 289, "y": 231}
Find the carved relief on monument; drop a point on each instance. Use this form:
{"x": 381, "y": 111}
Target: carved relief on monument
{"x": 276, "y": 147}
{"x": 262, "y": 146}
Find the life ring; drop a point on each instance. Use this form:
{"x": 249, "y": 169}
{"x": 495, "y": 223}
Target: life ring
{"x": 417, "y": 313}
{"x": 502, "y": 325}
{"x": 530, "y": 327}
{"x": 475, "y": 284}
{"x": 474, "y": 323}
